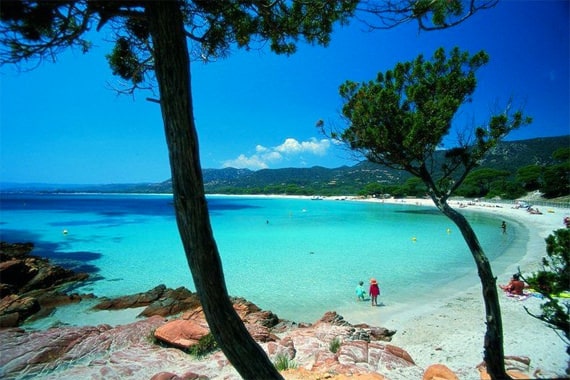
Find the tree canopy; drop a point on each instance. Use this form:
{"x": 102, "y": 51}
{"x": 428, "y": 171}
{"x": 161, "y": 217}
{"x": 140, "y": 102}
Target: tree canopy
{"x": 400, "y": 118}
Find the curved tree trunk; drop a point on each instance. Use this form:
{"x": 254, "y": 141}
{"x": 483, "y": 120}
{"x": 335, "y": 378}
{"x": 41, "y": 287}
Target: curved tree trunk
{"x": 172, "y": 67}
{"x": 493, "y": 344}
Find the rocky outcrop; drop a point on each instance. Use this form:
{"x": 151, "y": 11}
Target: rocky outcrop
{"x": 14, "y": 309}
{"x": 160, "y": 300}
{"x": 87, "y": 352}
{"x": 130, "y": 351}
{"x": 30, "y": 285}
{"x": 187, "y": 330}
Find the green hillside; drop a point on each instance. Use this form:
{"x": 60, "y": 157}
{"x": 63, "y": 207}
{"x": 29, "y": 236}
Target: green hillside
{"x": 508, "y": 156}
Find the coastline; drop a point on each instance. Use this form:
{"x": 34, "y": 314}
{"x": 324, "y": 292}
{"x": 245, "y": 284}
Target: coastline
{"x": 448, "y": 326}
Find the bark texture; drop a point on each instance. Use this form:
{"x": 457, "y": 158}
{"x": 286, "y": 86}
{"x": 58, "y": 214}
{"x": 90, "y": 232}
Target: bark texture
{"x": 172, "y": 67}
{"x": 493, "y": 344}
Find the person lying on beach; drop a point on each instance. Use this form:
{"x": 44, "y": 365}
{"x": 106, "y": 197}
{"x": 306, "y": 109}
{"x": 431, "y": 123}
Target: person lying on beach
{"x": 514, "y": 287}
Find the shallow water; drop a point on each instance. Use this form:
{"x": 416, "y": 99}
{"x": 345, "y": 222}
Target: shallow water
{"x": 296, "y": 257}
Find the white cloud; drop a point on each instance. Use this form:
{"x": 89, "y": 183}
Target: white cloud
{"x": 261, "y": 149}
{"x": 314, "y": 146}
{"x": 289, "y": 149}
{"x": 242, "y": 161}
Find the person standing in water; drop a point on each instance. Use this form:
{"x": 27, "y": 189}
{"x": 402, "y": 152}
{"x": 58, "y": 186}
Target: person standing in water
{"x": 374, "y": 292}
{"x": 504, "y": 227}
{"x": 360, "y": 292}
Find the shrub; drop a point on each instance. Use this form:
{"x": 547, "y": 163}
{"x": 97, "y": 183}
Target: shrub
{"x": 282, "y": 362}
{"x": 553, "y": 278}
{"x": 335, "y": 345}
{"x": 207, "y": 344}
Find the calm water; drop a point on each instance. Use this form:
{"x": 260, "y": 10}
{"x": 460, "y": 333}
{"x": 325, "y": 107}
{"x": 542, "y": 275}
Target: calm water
{"x": 296, "y": 257}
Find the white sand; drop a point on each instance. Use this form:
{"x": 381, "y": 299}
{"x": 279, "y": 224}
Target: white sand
{"x": 448, "y": 327}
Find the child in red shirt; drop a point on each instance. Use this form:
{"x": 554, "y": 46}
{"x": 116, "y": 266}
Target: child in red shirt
{"x": 374, "y": 292}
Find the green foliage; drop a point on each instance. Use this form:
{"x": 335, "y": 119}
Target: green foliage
{"x": 400, "y": 118}
{"x": 335, "y": 344}
{"x": 206, "y": 345}
{"x": 562, "y": 154}
{"x": 554, "y": 278}
{"x": 505, "y": 189}
{"x": 558, "y": 258}
{"x": 556, "y": 178}
{"x": 490, "y": 183}
{"x": 530, "y": 177}
{"x": 282, "y": 362}
{"x": 440, "y": 10}
{"x": 40, "y": 29}
{"x": 124, "y": 62}
{"x": 373, "y": 188}
{"x": 414, "y": 187}
{"x": 478, "y": 183}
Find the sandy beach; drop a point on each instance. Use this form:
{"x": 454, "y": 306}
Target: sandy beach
{"x": 448, "y": 326}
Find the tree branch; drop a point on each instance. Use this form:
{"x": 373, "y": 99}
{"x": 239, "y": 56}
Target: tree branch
{"x": 390, "y": 14}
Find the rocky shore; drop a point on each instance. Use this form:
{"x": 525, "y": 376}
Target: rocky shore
{"x": 159, "y": 344}
{"x": 30, "y": 286}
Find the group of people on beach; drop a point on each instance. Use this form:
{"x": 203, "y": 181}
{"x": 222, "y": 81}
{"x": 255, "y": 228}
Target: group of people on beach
{"x": 515, "y": 287}
{"x": 373, "y": 291}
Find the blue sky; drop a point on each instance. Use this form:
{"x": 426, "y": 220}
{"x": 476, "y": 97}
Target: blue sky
{"x": 63, "y": 123}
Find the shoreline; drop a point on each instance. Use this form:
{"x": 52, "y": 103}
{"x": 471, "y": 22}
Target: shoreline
{"x": 448, "y": 325}
{"x": 449, "y": 328}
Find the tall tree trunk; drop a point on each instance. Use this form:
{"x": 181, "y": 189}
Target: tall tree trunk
{"x": 493, "y": 344}
{"x": 172, "y": 67}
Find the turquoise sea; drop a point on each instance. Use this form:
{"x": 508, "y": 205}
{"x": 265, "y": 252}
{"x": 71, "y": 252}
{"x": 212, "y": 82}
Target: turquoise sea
{"x": 296, "y": 257}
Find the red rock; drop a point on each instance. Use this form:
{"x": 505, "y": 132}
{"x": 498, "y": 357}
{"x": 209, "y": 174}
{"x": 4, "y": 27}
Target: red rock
{"x": 172, "y": 376}
{"x": 399, "y": 352}
{"x": 331, "y": 317}
{"x": 181, "y": 333}
{"x": 165, "y": 376}
{"x": 353, "y": 352}
{"x": 131, "y": 301}
{"x": 260, "y": 333}
{"x": 15, "y": 309}
{"x": 439, "y": 372}
{"x": 28, "y": 283}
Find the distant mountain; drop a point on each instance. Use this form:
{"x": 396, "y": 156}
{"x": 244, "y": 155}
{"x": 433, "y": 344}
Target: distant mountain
{"x": 508, "y": 155}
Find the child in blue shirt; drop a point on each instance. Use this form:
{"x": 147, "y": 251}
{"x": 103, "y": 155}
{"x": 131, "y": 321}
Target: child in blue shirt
{"x": 360, "y": 292}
